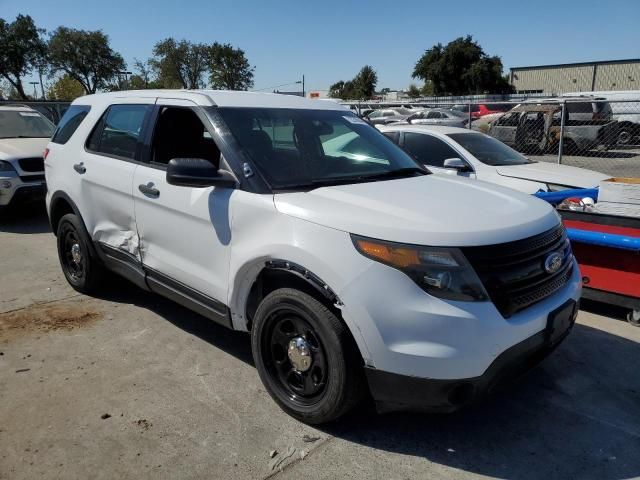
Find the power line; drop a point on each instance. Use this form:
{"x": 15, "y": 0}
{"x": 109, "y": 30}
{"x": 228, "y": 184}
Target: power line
{"x": 276, "y": 86}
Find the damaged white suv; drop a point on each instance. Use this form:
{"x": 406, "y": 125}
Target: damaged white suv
{"x": 356, "y": 273}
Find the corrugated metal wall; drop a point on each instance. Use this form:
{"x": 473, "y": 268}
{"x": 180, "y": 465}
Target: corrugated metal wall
{"x": 561, "y": 79}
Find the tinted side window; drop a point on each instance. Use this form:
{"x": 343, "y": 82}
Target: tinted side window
{"x": 393, "y": 136}
{"x": 118, "y": 130}
{"x": 69, "y": 123}
{"x": 428, "y": 150}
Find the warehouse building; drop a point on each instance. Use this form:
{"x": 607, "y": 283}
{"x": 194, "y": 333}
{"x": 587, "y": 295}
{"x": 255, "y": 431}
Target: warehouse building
{"x": 572, "y": 77}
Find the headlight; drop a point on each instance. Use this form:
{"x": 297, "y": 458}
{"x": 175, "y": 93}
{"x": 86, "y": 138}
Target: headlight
{"x": 6, "y": 167}
{"x": 441, "y": 272}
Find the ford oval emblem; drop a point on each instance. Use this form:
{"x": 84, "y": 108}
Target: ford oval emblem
{"x": 553, "y": 262}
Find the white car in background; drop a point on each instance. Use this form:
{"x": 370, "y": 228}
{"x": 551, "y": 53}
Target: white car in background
{"x": 467, "y": 153}
{"x": 24, "y": 134}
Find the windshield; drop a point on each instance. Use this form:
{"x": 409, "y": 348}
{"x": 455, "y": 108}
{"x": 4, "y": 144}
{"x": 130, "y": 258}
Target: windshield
{"x": 489, "y": 150}
{"x": 24, "y": 124}
{"x": 298, "y": 148}
{"x": 403, "y": 111}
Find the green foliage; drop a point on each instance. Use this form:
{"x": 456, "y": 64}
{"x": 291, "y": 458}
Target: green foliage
{"x": 362, "y": 86}
{"x": 21, "y": 50}
{"x": 460, "y": 68}
{"x": 179, "y": 64}
{"x": 365, "y": 82}
{"x": 413, "y": 91}
{"x": 65, "y": 88}
{"x": 229, "y": 69}
{"x": 85, "y": 56}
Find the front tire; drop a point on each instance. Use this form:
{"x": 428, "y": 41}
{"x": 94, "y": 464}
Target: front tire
{"x": 80, "y": 267}
{"x": 306, "y": 357}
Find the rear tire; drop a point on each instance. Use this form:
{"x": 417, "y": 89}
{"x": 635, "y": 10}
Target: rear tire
{"x": 81, "y": 268}
{"x": 306, "y": 357}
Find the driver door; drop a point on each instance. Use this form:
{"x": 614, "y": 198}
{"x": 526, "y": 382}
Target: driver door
{"x": 185, "y": 232}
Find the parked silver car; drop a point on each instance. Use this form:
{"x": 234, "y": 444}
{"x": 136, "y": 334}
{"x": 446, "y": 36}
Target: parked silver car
{"x": 438, "y": 116}
{"x": 385, "y": 116}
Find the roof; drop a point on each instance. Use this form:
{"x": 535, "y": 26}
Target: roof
{"x": 16, "y": 107}
{"x": 441, "y": 129}
{"x": 579, "y": 64}
{"x": 532, "y": 107}
{"x": 221, "y": 98}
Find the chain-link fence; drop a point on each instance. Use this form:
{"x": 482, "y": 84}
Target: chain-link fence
{"x": 587, "y": 132}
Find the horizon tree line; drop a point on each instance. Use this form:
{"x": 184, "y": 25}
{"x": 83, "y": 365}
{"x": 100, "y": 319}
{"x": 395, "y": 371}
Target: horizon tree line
{"x": 83, "y": 62}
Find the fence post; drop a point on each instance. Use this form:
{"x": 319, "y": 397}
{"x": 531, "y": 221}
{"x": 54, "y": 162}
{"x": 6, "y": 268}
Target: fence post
{"x": 469, "y": 123}
{"x": 561, "y": 142}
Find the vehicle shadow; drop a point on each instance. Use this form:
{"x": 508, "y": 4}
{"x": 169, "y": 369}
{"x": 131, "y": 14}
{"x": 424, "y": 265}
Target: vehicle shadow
{"x": 233, "y": 342}
{"x": 28, "y": 219}
{"x": 575, "y": 416}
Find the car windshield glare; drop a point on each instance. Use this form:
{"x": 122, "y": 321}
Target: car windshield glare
{"x": 24, "y": 124}
{"x": 305, "y": 148}
{"x": 489, "y": 150}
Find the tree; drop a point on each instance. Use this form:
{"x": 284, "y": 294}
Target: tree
{"x": 459, "y": 68}
{"x": 362, "y": 86}
{"x": 21, "y": 50}
{"x": 413, "y": 91}
{"x": 179, "y": 64}
{"x": 85, "y": 56}
{"x": 229, "y": 69}
{"x": 364, "y": 83}
{"x": 337, "y": 90}
{"x": 65, "y": 88}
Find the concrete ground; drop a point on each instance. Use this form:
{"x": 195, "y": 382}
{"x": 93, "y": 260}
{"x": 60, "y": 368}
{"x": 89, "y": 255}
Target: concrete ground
{"x": 129, "y": 385}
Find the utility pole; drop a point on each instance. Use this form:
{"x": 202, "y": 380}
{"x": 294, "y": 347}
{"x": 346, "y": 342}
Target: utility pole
{"x": 35, "y": 93}
{"x": 303, "y": 96}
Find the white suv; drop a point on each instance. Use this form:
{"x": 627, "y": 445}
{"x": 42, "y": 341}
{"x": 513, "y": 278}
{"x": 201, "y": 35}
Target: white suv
{"x": 24, "y": 134}
{"x": 354, "y": 274}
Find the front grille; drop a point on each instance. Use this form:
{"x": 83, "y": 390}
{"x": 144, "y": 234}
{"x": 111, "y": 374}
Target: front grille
{"x": 35, "y": 164}
{"x": 513, "y": 273}
{"x": 32, "y": 178}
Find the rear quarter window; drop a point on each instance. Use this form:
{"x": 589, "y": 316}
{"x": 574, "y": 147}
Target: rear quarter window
{"x": 69, "y": 123}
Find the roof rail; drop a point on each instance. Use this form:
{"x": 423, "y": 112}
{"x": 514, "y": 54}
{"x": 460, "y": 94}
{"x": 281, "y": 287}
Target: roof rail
{"x": 13, "y": 104}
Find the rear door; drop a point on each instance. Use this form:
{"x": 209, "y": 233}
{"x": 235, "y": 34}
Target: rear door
{"x": 185, "y": 232}
{"x": 106, "y": 168}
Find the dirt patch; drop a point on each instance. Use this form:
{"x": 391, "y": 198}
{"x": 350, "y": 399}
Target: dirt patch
{"x": 46, "y": 318}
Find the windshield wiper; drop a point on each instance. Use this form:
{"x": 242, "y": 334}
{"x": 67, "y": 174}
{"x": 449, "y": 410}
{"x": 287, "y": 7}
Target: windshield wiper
{"x": 327, "y": 182}
{"x": 400, "y": 172}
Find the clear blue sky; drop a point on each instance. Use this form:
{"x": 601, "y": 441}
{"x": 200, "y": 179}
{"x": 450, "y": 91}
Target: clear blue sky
{"x": 330, "y": 40}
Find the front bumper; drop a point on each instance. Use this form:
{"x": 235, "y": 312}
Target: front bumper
{"x": 393, "y": 392}
{"x": 14, "y": 190}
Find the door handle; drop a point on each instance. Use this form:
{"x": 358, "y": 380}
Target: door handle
{"x": 80, "y": 168}
{"x": 149, "y": 190}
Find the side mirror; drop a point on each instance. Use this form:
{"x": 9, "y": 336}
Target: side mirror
{"x": 198, "y": 173}
{"x": 456, "y": 164}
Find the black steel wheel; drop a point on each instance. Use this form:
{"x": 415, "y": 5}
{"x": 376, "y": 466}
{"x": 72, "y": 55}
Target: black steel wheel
{"x": 306, "y": 357}
{"x": 79, "y": 265}
{"x": 296, "y": 357}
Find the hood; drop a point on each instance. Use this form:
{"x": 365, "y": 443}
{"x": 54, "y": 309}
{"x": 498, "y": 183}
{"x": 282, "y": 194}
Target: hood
{"x": 435, "y": 210}
{"x": 553, "y": 173}
{"x": 13, "y": 148}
